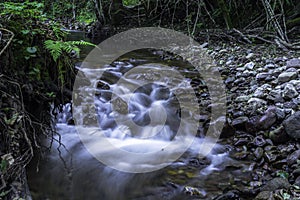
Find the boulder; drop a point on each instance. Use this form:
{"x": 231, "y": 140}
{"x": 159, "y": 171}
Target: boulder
{"x": 292, "y": 125}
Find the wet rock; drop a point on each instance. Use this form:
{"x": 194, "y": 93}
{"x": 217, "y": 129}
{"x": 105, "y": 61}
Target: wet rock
{"x": 251, "y": 126}
{"x": 297, "y": 181}
{"x": 250, "y": 55}
{"x": 242, "y": 98}
{"x": 264, "y": 195}
{"x": 280, "y": 113}
{"x": 102, "y": 85}
{"x": 278, "y": 135}
{"x": 240, "y": 122}
{"x": 292, "y": 158}
{"x": 296, "y": 172}
{"x": 230, "y": 195}
{"x": 262, "y": 76}
{"x": 290, "y": 105}
{"x": 110, "y": 76}
{"x": 295, "y": 62}
{"x": 249, "y": 65}
{"x": 241, "y": 141}
{"x": 271, "y": 156}
{"x": 276, "y": 183}
{"x": 292, "y": 125}
{"x": 268, "y": 119}
{"x": 229, "y": 80}
{"x": 259, "y": 141}
{"x": 258, "y": 153}
{"x": 192, "y": 191}
{"x": 257, "y": 102}
{"x": 289, "y": 91}
{"x": 227, "y": 130}
{"x": 279, "y": 164}
{"x": 275, "y": 96}
{"x": 119, "y": 105}
{"x": 287, "y": 76}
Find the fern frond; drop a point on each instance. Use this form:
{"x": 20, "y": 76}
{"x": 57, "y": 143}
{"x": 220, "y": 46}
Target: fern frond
{"x": 56, "y": 48}
{"x": 82, "y": 43}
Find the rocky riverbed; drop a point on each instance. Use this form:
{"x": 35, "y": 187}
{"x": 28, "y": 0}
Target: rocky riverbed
{"x": 263, "y": 117}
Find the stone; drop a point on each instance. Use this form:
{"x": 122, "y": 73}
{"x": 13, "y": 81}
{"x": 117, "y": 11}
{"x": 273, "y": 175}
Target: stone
{"x": 258, "y": 153}
{"x": 264, "y": 195}
{"x": 268, "y": 119}
{"x": 292, "y": 125}
{"x": 249, "y": 65}
{"x": 259, "y": 141}
{"x": 262, "y": 76}
{"x": 119, "y": 105}
{"x": 227, "y": 131}
{"x": 295, "y": 62}
{"x": 270, "y": 66}
{"x": 257, "y": 102}
{"x": 289, "y": 91}
{"x": 280, "y": 113}
{"x": 293, "y": 157}
{"x": 279, "y": 135}
{"x": 240, "y": 122}
{"x": 297, "y": 181}
{"x": 271, "y": 156}
{"x": 233, "y": 195}
{"x": 287, "y": 76}
{"x": 242, "y": 98}
{"x": 275, "y": 96}
{"x": 250, "y": 55}
{"x": 229, "y": 80}
{"x": 276, "y": 183}
{"x": 259, "y": 93}
{"x": 290, "y": 105}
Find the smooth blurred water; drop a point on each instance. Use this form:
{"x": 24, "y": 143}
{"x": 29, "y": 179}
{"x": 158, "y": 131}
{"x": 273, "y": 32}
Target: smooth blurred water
{"x": 142, "y": 121}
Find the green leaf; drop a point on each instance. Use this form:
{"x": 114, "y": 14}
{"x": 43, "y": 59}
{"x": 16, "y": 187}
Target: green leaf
{"x": 31, "y": 49}
{"x": 3, "y": 165}
{"x": 282, "y": 174}
{"x": 25, "y": 32}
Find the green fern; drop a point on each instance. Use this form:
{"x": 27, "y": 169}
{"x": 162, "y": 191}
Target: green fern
{"x": 56, "y": 48}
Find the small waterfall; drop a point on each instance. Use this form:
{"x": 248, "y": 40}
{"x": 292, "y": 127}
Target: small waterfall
{"x": 138, "y": 119}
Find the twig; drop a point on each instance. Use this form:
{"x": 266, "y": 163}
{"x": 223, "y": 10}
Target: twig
{"x": 242, "y": 35}
{"x": 9, "y": 41}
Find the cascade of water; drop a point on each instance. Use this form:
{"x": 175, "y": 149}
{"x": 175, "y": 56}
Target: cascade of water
{"x": 146, "y": 120}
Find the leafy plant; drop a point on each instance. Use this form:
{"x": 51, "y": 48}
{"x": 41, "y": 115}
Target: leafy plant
{"x": 282, "y": 174}
{"x": 56, "y": 48}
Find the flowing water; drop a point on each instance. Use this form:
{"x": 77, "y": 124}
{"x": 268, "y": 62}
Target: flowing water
{"x": 147, "y": 122}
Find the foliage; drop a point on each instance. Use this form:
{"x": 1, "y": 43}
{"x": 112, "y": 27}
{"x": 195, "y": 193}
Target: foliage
{"x": 131, "y": 2}
{"x": 56, "y": 48}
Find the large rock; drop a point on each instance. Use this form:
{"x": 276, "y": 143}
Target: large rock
{"x": 268, "y": 119}
{"x": 292, "y": 125}
{"x": 287, "y": 76}
{"x": 295, "y": 62}
{"x": 240, "y": 122}
{"x": 276, "y": 183}
{"x": 289, "y": 91}
{"x": 264, "y": 195}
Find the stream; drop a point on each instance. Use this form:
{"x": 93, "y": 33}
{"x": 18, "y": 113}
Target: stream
{"x": 162, "y": 159}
